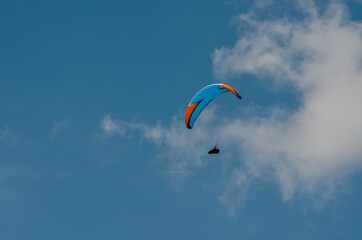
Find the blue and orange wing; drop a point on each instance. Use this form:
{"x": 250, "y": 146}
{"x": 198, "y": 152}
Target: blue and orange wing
{"x": 203, "y": 97}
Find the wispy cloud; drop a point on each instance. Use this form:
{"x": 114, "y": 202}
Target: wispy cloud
{"x": 110, "y": 126}
{"x": 58, "y": 127}
{"x": 263, "y": 3}
{"x": 176, "y": 144}
{"x": 6, "y": 135}
{"x": 10, "y": 178}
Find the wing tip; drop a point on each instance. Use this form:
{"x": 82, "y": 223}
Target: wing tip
{"x": 231, "y": 89}
{"x": 189, "y": 111}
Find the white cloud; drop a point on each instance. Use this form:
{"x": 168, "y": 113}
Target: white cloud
{"x": 111, "y": 127}
{"x": 6, "y": 135}
{"x": 58, "y": 127}
{"x": 179, "y": 146}
{"x": 307, "y": 150}
{"x": 313, "y": 146}
{"x": 10, "y": 176}
{"x": 263, "y": 3}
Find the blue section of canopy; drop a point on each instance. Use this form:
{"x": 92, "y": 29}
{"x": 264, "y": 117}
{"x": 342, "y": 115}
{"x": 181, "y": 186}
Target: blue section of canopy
{"x": 204, "y": 97}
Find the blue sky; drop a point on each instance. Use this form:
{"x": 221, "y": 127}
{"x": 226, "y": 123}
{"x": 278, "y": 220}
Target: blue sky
{"x": 92, "y": 138}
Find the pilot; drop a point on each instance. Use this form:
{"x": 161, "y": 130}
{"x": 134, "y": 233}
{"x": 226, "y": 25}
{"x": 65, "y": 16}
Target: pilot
{"x": 214, "y": 150}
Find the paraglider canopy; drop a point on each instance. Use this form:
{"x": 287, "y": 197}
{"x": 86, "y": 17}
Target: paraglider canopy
{"x": 202, "y": 98}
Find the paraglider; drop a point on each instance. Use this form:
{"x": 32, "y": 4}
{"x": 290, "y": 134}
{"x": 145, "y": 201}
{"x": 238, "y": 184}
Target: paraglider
{"x": 214, "y": 150}
{"x": 200, "y": 100}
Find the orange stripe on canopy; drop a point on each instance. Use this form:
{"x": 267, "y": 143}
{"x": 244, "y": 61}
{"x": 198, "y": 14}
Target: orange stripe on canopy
{"x": 190, "y": 109}
{"x": 224, "y": 86}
